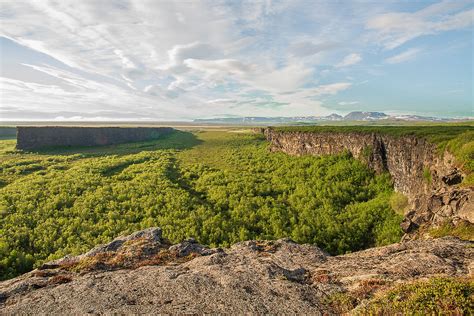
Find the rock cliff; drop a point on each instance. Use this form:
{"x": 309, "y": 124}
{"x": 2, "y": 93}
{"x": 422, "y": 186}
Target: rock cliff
{"x": 429, "y": 179}
{"x": 30, "y": 137}
{"x": 143, "y": 273}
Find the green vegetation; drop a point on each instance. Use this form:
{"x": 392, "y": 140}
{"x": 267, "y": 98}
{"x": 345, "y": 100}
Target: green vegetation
{"x": 219, "y": 187}
{"x": 399, "y": 203}
{"x": 458, "y": 139}
{"x": 341, "y": 303}
{"x": 464, "y": 230}
{"x": 427, "y": 175}
{"x": 367, "y": 152}
{"x": 437, "y": 296}
{"x": 436, "y": 133}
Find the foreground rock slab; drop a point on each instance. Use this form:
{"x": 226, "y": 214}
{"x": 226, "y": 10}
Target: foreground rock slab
{"x": 142, "y": 273}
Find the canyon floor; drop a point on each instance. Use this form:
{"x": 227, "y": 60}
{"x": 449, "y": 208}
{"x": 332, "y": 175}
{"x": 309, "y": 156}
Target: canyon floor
{"x": 143, "y": 273}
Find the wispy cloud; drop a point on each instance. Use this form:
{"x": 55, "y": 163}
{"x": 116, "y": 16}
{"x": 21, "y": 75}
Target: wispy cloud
{"x": 404, "y": 56}
{"x": 151, "y": 59}
{"x": 349, "y": 60}
{"x": 331, "y": 89}
{"x": 348, "y": 102}
{"x": 396, "y": 28}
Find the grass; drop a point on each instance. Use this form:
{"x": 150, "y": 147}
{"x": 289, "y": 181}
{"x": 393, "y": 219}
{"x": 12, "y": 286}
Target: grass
{"x": 427, "y": 175}
{"x": 464, "y": 230}
{"x": 214, "y": 147}
{"x": 436, "y": 296}
{"x": 399, "y": 203}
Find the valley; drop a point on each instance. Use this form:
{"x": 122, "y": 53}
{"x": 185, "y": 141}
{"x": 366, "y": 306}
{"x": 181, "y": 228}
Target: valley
{"x": 221, "y": 187}
{"x": 329, "y": 187}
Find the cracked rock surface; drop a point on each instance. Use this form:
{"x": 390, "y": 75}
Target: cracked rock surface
{"x": 142, "y": 273}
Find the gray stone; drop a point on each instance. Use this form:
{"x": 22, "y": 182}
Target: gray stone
{"x": 190, "y": 246}
{"x": 408, "y": 226}
{"x": 152, "y": 235}
{"x": 280, "y": 277}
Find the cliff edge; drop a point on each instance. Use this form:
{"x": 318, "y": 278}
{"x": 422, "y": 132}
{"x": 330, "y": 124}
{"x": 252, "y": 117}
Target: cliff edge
{"x": 41, "y": 137}
{"x": 143, "y": 273}
{"x": 430, "y": 180}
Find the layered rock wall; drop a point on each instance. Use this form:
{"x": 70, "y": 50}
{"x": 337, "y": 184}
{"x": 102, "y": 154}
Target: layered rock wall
{"x": 29, "y": 138}
{"x": 417, "y": 169}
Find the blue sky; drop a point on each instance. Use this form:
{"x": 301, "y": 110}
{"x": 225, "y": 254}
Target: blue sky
{"x": 164, "y": 60}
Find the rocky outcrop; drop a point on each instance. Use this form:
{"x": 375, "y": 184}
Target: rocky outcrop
{"x": 417, "y": 169}
{"x": 142, "y": 273}
{"x": 30, "y": 138}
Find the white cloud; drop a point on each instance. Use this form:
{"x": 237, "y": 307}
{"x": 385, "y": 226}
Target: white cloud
{"x": 396, "y": 28}
{"x": 404, "y": 56}
{"x": 288, "y": 78}
{"x": 303, "y": 49}
{"x": 179, "y": 53}
{"x": 331, "y": 89}
{"x": 219, "y": 66}
{"x": 221, "y": 101}
{"x": 306, "y": 96}
{"x": 348, "y": 102}
{"x": 349, "y": 60}
{"x": 182, "y": 59}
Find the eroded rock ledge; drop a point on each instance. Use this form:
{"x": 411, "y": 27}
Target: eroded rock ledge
{"x": 143, "y": 273}
{"x": 430, "y": 180}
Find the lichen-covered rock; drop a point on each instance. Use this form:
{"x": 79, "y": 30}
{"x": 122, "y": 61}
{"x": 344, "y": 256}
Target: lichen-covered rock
{"x": 191, "y": 246}
{"x": 257, "y": 277}
{"x": 151, "y": 236}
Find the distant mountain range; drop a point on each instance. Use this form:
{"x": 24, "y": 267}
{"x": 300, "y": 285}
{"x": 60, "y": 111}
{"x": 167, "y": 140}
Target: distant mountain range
{"x": 352, "y": 116}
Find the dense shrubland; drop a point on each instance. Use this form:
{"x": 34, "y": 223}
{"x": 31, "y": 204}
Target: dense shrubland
{"x": 224, "y": 188}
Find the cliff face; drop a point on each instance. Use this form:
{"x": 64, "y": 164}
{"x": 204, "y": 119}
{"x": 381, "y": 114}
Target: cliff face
{"x": 428, "y": 179}
{"x": 144, "y": 274}
{"x": 29, "y": 138}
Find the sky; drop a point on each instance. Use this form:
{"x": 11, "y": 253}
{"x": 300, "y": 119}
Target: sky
{"x": 161, "y": 60}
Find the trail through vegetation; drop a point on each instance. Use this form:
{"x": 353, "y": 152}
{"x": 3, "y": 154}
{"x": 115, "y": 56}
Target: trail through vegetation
{"x": 218, "y": 187}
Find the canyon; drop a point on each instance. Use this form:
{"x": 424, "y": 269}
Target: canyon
{"x": 429, "y": 179}
{"x": 146, "y": 273}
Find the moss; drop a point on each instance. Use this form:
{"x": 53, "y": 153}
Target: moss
{"x": 437, "y": 296}
{"x": 464, "y": 230}
{"x": 345, "y": 302}
{"x": 367, "y": 152}
{"x": 427, "y": 175}
{"x": 399, "y": 203}
{"x": 340, "y": 302}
